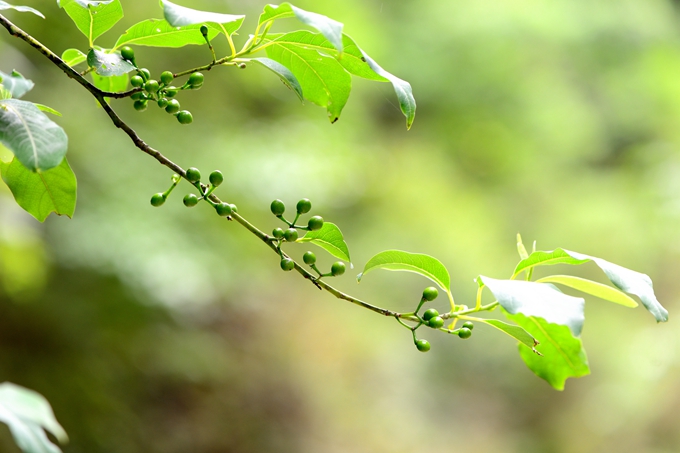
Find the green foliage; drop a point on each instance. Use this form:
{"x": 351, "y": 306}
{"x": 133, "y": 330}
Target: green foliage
{"x": 397, "y": 260}
{"x": 180, "y": 16}
{"x": 16, "y": 84}
{"x": 73, "y": 57}
{"x": 329, "y": 238}
{"x": 25, "y": 9}
{"x": 93, "y": 18}
{"x": 159, "y": 33}
{"x": 108, "y": 64}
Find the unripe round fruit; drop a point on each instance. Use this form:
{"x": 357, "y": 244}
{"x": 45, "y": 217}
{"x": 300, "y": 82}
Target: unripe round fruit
{"x": 146, "y": 75}
{"x": 190, "y": 200}
{"x": 173, "y": 106}
{"x": 127, "y": 53}
{"x": 309, "y": 258}
{"x": 315, "y": 223}
{"x": 151, "y": 86}
{"x": 277, "y": 233}
{"x": 162, "y": 103}
{"x": 140, "y": 105}
{"x": 423, "y": 345}
{"x": 216, "y": 178}
{"x": 430, "y": 313}
{"x": 157, "y": 199}
{"x": 278, "y": 208}
{"x": 290, "y": 235}
{"x": 204, "y": 30}
{"x": 193, "y": 175}
{"x": 223, "y": 209}
{"x": 338, "y": 268}
{"x": 436, "y": 322}
{"x": 166, "y": 77}
{"x": 430, "y": 293}
{"x": 468, "y": 325}
{"x": 196, "y": 79}
{"x": 137, "y": 96}
{"x": 171, "y": 92}
{"x": 287, "y": 264}
{"x": 233, "y": 208}
{"x": 464, "y": 333}
{"x": 136, "y": 81}
{"x": 304, "y": 206}
{"x": 185, "y": 117}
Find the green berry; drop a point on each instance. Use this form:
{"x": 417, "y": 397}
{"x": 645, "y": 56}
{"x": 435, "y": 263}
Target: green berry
{"x": 430, "y": 313}
{"x": 277, "y": 233}
{"x": 162, "y": 103}
{"x": 190, "y": 200}
{"x": 338, "y": 268}
{"x": 171, "y": 92}
{"x": 278, "y": 208}
{"x": 185, "y": 117}
{"x": 151, "y": 86}
{"x": 464, "y": 333}
{"x": 127, "y": 53}
{"x": 468, "y": 325}
{"x": 287, "y": 264}
{"x": 140, "y": 105}
{"x": 196, "y": 79}
{"x": 216, "y": 178}
{"x": 166, "y": 77}
{"x": 315, "y": 223}
{"x": 436, "y": 322}
{"x": 157, "y": 199}
{"x": 423, "y": 345}
{"x": 136, "y": 81}
{"x": 173, "y": 106}
{"x": 204, "y": 30}
{"x": 137, "y": 96}
{"x": 223, "y": 209}
{"x": 304, "y": 206}
{"x": 430, "y": 293}
{"x": 233, "y": 208}
{"x": 193, "y": 175}
{"x": 290, "y": 235}
{"x": 309, "y": 258}
{"x": 146, "y": 75}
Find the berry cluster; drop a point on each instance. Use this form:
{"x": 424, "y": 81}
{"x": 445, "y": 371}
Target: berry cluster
{"x": 193, "y": 175}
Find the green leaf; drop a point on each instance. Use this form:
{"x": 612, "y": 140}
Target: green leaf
{"x": 108, "y": 64}
{"x": 23, "y": 9}
{"x": 93, "y": 18}
{"x": 539, "y": 258}
{"x": 43, "y": 192}
{"x": 538, "y": 299}
{"x": 397, "y": 260}
{"x": 287, "y": 77}
{"x": 562, "y": 354}
{"x": 37, "y": 141}
{"x": 593, "y": 288}
{"x": 514, "y": 331}
{"x": 44, "y": 108}
{"x": 159, "y": 33}
{"x": 16, "y": 84}
{"x": 179, "y": 16}
{"x": 329, "y": 238}
{"x": 73, "y": 57}
{"x": 112, "y": 83}
{"x": 329, "y": 28}
{"x": 323, "y": 80}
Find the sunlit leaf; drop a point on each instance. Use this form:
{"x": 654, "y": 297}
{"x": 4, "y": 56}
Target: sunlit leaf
{"x": 23, "y": 9}
{"x": 111, "y": 83}
{"x": 397, "y": 260}
{"x": 16, "y": 84}
{"x": 44, "y": 108}
{"x": 329, "y": 28}
{"x": 108, "y": 64}
{"x": 179, "y": 16}
{"x": 593, "y": 288}
{"x": 539, "y": 258}
{"x": 514, "y": 331}
{"x": 286, "y": 76}
{"x": 93, "y": 18}
{"x": 73, "y": 57}
{"x": 329, "y": 238}
{"x": 159, "y": 33}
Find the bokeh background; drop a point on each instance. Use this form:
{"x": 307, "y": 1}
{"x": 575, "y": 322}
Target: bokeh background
{"x": 170, "y": 330}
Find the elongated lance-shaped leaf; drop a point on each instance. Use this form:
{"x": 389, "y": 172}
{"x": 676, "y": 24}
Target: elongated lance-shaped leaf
{"x": 43, "y": 192}
{"x": 514, "y": 331}
{"x": 397, "y": 260}
{"x": 108, "y": 64}
{"x": 159, "y": 33}
{"x": 179, "y": 16}
{"x": 329, "y": 238}
{"x": 540, "y": 258}
{"x": 73, "y": 57}
{"x": 562, "y": 354}
{"x": 593, "y": 288}
{"x": 44, "y": 108}
{"x": 37, "y": 141}
{"x": 329, "y": 28}
{"x": 539, "y": 300}
{"x": 23, "y": 9}
{"x": 16, "y": 84}
{"x": 93, "y": 18}
{"x": 286, "y": 76}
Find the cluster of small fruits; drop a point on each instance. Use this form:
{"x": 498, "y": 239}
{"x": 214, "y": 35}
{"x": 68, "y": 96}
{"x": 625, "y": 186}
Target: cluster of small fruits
{"x": 432, "y": 319}
{"x": 193, "y": 175}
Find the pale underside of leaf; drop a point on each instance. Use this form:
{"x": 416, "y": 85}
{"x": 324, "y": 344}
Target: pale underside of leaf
{"x": 286, "y": 76}
{"x": 23, "y": 9}
{"x": 179, "y": 16}
{"x": 329, "y": 28}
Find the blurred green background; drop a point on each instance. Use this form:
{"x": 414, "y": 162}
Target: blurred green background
{"x": 169, "y": 330}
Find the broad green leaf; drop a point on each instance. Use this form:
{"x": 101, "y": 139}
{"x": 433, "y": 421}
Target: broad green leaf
{"x": 329, "y": 28}
{"x": 73, "y": 57}
{"x": 23, "y": 9}
{"x": 111, "y": 83}
{"x": 329, "y": 238}
{"x": 159, "y": 33}
{"x": 397, "y": 260}
{"x": 538, "y": 299}
{"x": 323, "y": 79}
{"x": 16, "y": 84}
{"x": 593, "y": 288}
{"x": 108, "y": 64}
{"x": 287, "y": 77}
{"x": 179, "y": 16}
{"x": 37, "y": 141}
{"x": 44, "y": 108}
{"x": 32, "y": 407}
{"x": 43, "y": 192}
{"x": 93, "y": 18}
{"x": 539, "y": 258}
{"x": 562, "y": 354}
{"x": 514, "y": 331}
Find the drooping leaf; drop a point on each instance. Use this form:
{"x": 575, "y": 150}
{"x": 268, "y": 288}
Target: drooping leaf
{"x": 329, "y": 238}
{"x": 593, "y": 288}
{"x": 159, "y": 33}
{"x": 179, "y": 16}
{"x": 323, "y": 79}
{"x": 23, "y": 9}
{"x": 43, "y": 192}
{"x": 514, "y": 331}
{"x": 44, "y": 108}
{"x": 562, "y": 354}
{"x": 37, "y": 141}
{"x": 27, "y": 413}
{"x": 16, "y": 84}
{"x": 329, "y": 28}
{"x": 73, "y": 57}
{"x": 397, "y": 260}
{"x": 539, "y": 300}
{"x": 108, "y": 64}
{"x": 111, "y": 83}
{"x": 287, "y": 77}
{"x": 93, "y": 18}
